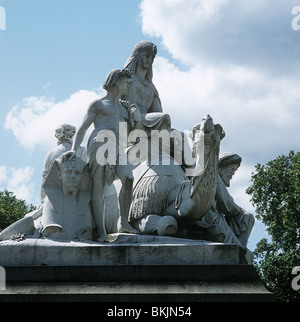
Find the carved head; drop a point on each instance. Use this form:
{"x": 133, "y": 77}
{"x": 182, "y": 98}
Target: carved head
{"x": 70, "y": 174}
{"x": 144, "y": 53}
{"x": 206, "y": 138}
{"x": 228, "y": 165}
{"x": 117, "y": 78}
{"x": 65, "y": 133}
{"x": 207, "y": 129}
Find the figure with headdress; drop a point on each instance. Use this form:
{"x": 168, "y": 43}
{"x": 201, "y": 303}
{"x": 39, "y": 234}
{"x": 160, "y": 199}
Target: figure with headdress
{"x": 144, "y": 94}
{"x": 67, "y": 203}
{"x": 142, "y": 91}
{"x": 234, "y": 223}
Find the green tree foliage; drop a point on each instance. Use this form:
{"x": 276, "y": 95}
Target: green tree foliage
{"x": 275, "y": 194}
{"x": 12, "y": 209}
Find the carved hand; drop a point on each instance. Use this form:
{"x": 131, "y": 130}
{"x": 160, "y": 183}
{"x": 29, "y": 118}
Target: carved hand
{"x": 68, "y": 155}
{"x": 135, "y": 112}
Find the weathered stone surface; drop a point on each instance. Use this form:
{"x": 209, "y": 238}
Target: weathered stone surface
{"x": 125, "y": 250}
{"x": 22, "y": 226}
{"x": 139, "y": 292}
{"x": 130, "y": 268}
{"x": 139, "y": 283}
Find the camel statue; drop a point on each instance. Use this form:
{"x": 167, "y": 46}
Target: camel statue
{"x": 164, "y": 197}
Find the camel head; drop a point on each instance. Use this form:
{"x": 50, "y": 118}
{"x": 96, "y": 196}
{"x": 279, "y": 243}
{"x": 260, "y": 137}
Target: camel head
{"x": 206, "y": 137}
{"x": 208, "y": 130}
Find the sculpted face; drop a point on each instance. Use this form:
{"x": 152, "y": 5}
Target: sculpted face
{"x": 70, "y": 178}
{"x": 227, "y": 172}
{"x": 59, "y": 133}
{"x": 123, "y": 85}
{"x": 146, "y": 59}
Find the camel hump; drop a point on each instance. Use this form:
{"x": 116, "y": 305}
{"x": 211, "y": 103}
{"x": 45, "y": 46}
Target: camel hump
{"x": 145, "y": 170}
{"x": 152, "y": 195}
{"x": 152, "y": 187}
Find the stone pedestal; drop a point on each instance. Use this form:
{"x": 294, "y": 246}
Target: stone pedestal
{"x": 123, "y": 250}
{"x": 130, "y": 269}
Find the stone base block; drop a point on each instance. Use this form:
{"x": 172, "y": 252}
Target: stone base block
{"x": 181, "y": 283}
{"x": 123, "y": 250}
{"x": 141, "y": 292}
{"x": 129, "y": 269}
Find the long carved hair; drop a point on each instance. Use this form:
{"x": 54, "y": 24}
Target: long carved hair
{"x": 133, "y": 60}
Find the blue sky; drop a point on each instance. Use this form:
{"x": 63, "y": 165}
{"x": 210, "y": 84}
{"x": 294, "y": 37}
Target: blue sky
{"x": 53, "y": 49}
{"x": 237, "y": 61}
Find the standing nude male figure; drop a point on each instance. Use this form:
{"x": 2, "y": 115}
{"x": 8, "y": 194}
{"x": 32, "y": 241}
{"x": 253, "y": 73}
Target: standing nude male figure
{"x": 106, "y": 114}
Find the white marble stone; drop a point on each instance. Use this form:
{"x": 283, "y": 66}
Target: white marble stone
{"x": 89, "y": 197}
{"x": 123, "y": 250}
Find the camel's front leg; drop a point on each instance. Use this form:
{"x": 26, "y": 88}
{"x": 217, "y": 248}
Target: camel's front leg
{"x": 156, "y": 225}
{"x": 183, "y": 207}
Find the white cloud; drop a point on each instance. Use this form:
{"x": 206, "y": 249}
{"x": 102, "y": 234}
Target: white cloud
{"x": 46, "y": 86}
{"x": 221, "y": 31}
{"x": 239, "y": 184}
{"x": 3, "y": 174}
{"x": 258, "y": 111}
{"x": 175, "y": 21}
{"x": 34, "y": 121}
{"x": 240, "y": 60}
{"x": 259, "y": 114}
{"x": 19, "y": 182}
